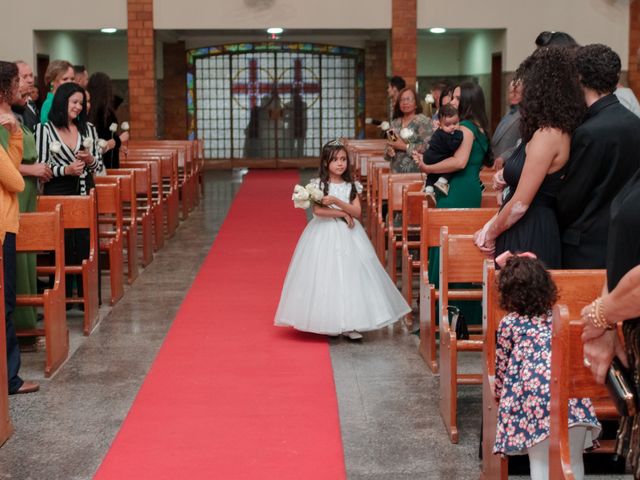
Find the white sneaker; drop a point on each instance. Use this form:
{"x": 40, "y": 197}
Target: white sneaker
{"x": 353, "y": 335}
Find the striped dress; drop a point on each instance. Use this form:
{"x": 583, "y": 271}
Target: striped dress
{"x": 46, "y": 135}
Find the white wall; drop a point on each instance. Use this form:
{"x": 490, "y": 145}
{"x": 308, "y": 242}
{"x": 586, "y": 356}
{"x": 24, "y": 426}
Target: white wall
{"x": 108, "y": 54}
{"x": 70, "y": 46}
{"x": 439, "y": 55}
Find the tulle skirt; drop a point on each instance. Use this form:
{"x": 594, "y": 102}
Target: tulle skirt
{"x": 336, "y": 284}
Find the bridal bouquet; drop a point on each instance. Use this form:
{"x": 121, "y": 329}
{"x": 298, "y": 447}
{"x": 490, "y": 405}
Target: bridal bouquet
{"x": 303, "y": 196}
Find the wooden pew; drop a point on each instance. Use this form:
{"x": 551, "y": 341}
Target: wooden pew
{"x": 375, "y": 169}
{"x": 158, "y": 201}
{"x": 80, "y": 211}
{"x": 110, "y": 236}
{"x": 411, "y": 220}
{"x": 143, "y": 207}
{"x": 413, "y": 182}
{"x": 6, "y": 428}
{"x": 460, "y": 262}
{"x": 43, "y": 232}
{"x": 576, "y": 288}
{"x": 129, "y": 222}
{"x": 169, "y": 184}
{"x": 461, "y": 221}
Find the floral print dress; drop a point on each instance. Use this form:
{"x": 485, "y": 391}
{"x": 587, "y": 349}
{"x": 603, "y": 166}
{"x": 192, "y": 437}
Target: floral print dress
{"x": 421, "y": 131}
{"x": 523, "y": 376}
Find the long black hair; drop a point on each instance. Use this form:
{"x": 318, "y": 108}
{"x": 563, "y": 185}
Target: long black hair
{"x": 472, "y": 107}
{"x": 59, "y": 114}
{"x": 101, "y": 92}
{"x": 327, "y": 156}
{"x": 8, "y": 80}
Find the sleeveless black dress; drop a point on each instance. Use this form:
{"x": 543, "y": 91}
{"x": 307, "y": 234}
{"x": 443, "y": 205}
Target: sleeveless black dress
{"x": 537, "y": 231}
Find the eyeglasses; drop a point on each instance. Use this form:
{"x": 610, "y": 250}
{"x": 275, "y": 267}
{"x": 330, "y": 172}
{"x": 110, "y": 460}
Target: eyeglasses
{"x": 407, "y": 100}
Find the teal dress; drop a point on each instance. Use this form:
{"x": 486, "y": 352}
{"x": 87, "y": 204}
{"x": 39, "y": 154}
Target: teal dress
{"x": 46, "y": 108}
{"x": 464, "y": 192}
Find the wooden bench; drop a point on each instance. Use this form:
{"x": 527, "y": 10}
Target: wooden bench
{"x": 460, "y": 262}
{"x": 80, "y": 211}
{"x": 461, "y": 221}
{"x": 44, "y": 232}
{"x": 6, "y": 428}
{"x": 375, "y": 170}
{"x": 576, "y": 288}
{"x": 143, "y": 205}
{"x": 412, "y": 203}
{"x": 110, "y": 236}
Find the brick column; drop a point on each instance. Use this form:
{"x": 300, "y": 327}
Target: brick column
{"x": 404, "y": 40}
{"x": 634, "y": 46}
{"x": 142, "y": 72}
{"x": 375, "y": 85}
{"x": 174, "y": 91}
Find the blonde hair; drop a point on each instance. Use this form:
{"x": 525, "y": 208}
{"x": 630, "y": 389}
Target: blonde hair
{"x": 56, "y": 69}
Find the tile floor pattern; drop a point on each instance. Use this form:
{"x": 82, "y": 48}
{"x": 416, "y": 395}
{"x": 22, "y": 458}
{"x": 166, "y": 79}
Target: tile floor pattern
{"x": 387, "y": 399}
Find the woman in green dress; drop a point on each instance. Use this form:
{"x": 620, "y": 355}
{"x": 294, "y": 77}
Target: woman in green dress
{"x": 464, "y": 188}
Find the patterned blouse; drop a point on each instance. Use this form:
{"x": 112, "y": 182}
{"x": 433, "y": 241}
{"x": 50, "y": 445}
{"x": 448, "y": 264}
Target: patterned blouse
{"x": 422, "y": 129}
{"x": 46, "y": 134}
{"x": 523, "y": 375}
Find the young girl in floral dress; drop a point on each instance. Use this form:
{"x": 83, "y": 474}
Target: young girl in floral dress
{"x": 523, "y": 370}
{"x": 335, "y": 283}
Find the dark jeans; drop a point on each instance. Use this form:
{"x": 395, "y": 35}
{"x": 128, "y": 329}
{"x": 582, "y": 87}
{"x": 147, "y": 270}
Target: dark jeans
{"x": 13, "y": 350}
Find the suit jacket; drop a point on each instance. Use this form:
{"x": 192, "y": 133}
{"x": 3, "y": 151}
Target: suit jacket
{"x": 31, "y": 116}
{"x": 507, "y": 133}
{"x": 605, "y": 154}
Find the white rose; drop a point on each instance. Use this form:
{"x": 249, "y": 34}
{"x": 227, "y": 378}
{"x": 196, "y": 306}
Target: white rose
{"x": 300, "y": 194}
{"x": 429, "y": 99}
{"x": 384, "y": 126}
{"x": 314, "y": 192}
{"x": 304, "y": 204}
{"x": 87, "y": 143}
{"x": 406, "y": 133}
{"x": 124, "y": 126}
{"x": 113, "y": 128}
{"x": 102, "y": 144}
{"x": 55, "y": 147}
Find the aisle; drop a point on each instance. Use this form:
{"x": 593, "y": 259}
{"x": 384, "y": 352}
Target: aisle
{"x": 229, "y": 395}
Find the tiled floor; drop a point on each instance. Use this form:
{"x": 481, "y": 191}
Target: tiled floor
{"x": 388, "y": 400}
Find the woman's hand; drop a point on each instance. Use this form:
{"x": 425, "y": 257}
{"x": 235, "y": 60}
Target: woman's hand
{"x": 40, "y": 170}
{"x": 8, "y": 121}
{"x": 484, "y": 240}
{"x": 390, "y": 151}
{"x": 498, "y": 181}
{"x": 75, "y": 168}
{"x": 85, "y": 157}
{"x": 111, "y": 144}
{"x": 124, "y": 137}
{"x": 599, "y": 352}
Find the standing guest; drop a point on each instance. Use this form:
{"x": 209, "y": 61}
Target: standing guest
{"x": 628, "y": 98}
{"x": 604, "y": 156}
{"x": 507, "y": 132}
{"x": 58, "y": 72}
{"x": 393, "y": 90}
{"x": 102, "y": 115}
{"x": 410, "y": 132}
{"x": 551, "y": 109}
{"x": 11, "y": 183}
{"x": 29, "y": 113}
{"x": 65, "y": 143}
{"x": 80, "y": 75}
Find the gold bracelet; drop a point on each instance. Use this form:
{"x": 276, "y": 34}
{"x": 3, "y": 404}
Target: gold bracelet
{"x": 596, "y": 315}
{"x": 600, "y": 314}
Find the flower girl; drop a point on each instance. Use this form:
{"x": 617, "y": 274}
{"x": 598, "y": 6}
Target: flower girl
{"x": 335, "y": 283}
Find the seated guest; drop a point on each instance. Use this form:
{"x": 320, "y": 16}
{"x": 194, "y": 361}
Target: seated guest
{"x": 11, "y": 183}
{"x": 410, "y": 132}
{"x": 604, "y": 156}
{"x": 58, "y": 72}
{"x": 507, "y": 132}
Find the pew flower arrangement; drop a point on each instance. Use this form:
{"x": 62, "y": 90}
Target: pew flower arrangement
{"x": 303, "y": 196}
{"x": 55, "y": 147}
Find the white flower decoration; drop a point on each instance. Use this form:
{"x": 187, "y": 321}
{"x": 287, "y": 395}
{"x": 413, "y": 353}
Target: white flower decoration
{"x": 406, "y": 133}
{"x": 102, "y": 144}
{"x": 314, "y": 192}
{"x": 87, "y": 143}
{"x": 300, "y": 194}
{"x": 304, "y": 204}
{"x": 429, "y": 99}
{"x": 113, "y": 128}
{"x": 55, "y": 147}
{"x": 384, "y": 126}
{"x": 124, "y": 126}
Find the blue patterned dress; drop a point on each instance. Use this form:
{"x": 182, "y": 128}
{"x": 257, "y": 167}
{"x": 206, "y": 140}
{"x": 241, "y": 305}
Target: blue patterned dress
{"x": 523, "y": 376}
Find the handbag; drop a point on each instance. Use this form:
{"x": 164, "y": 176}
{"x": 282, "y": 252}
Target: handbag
{"x": 458, "y": 323}
{"x": 621, "y": 389}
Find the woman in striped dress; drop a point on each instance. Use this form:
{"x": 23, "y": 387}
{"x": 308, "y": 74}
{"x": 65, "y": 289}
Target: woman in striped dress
{"x": 70, "y": 148}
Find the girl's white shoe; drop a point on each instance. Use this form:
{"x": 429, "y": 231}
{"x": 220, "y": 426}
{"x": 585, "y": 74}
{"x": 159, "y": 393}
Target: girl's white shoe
{"x": 353, "y": 335}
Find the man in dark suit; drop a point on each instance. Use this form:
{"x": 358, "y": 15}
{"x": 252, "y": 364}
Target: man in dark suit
{"x": 29, "y": 114}
{"x": 605, "y": 154}
{"x": 507, "y": 132}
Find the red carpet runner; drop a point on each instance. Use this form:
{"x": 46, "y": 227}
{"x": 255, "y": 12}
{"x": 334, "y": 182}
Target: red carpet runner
{"x": 230, "y": 396}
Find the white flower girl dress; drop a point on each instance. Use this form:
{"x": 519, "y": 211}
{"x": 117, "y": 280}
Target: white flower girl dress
{"x": 335, "y": 283}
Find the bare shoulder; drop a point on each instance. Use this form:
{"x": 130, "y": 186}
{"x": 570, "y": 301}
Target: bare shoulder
{"x": 549, "y": 136}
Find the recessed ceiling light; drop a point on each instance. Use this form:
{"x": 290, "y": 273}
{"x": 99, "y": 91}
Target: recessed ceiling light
{"x": 109, "y": 30}
{"x": 275, "y": 30}
{"x": 437, "y": 30}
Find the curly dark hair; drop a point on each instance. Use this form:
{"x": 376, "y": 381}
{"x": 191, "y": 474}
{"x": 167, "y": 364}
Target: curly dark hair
{"x": 551, "y": 94}
{"x": 526, "y": 287}
{"x": 397, "y": 113}
{"x": 598, "y": 67}
{"x": 555, "y": 39}
{"x": 447, "y": 111}
{"x": 327, "y": 156}
{"x": 8, "y": 81}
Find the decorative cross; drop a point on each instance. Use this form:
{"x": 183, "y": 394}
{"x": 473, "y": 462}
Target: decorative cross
{"x": 298, "y": 86}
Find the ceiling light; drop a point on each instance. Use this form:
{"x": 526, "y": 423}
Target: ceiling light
{"x": 275, "y": 30}
{"x": 109, "y": 30}
{"x": 437, "y": 30}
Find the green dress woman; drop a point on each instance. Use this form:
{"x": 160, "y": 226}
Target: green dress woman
{"x": 25, "y": 317}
